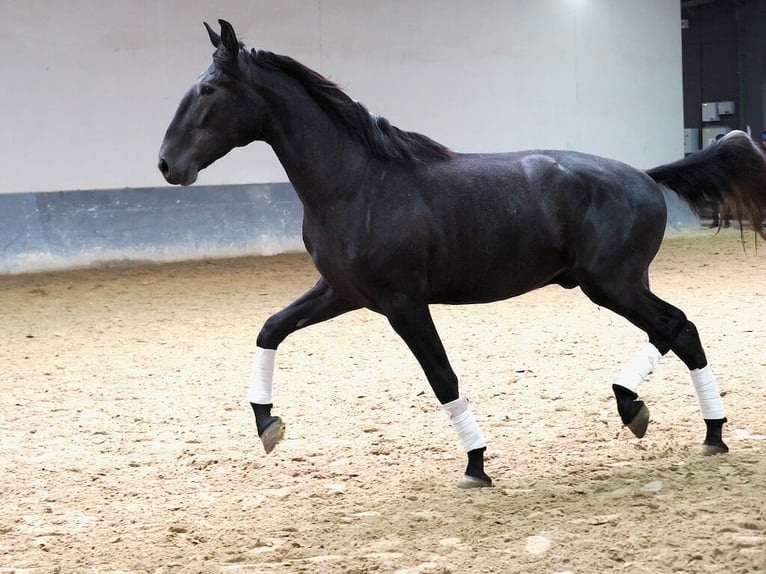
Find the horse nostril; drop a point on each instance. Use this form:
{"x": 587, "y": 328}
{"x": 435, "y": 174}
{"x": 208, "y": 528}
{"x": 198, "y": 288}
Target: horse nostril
{"x": 164, "y": 167}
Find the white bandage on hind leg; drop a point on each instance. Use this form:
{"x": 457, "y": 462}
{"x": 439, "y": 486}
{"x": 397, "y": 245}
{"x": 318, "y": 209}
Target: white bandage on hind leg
{"x": 262, "y": 377}
{"x": 464, "y": 423}
{"x": 638, "y": 367}
{"x": 711, "y": 405}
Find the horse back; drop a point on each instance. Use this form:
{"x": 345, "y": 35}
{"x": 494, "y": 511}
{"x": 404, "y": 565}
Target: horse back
{"x": 480, "y": 228}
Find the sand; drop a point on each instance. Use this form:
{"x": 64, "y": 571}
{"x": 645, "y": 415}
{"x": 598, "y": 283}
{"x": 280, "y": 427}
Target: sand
{"x": 128, "y": 446}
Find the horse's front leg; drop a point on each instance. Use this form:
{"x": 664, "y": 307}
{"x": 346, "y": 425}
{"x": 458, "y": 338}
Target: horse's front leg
{"x": 413, "y": 323}
{"x": 318, "y": 304}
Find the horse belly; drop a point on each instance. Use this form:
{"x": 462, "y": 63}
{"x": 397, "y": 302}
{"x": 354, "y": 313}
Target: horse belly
{"x": 483, "y": 277}
{"x": 490, "y": 254}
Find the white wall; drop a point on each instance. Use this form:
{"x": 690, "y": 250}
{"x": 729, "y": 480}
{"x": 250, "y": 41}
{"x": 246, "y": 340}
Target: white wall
{"x": 88, "y": 87}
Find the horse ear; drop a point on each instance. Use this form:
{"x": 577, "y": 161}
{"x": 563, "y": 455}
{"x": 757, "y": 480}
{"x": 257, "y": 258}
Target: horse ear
{"x": 214, "y": 37}
{"x": 229, "y": 38}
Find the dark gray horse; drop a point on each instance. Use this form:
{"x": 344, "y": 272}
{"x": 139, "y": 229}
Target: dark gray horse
{"x": 395, "y": 221}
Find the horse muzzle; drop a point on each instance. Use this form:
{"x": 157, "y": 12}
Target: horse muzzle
{"x": 176, "y": 176}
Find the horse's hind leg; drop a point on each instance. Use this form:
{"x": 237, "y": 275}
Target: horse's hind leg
{"x": 633, "y": 412}
{"x": 668, "y": 330}
{"x": 688, "y": 348}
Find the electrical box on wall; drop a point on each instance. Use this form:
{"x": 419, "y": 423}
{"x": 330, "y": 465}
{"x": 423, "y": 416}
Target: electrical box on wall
{"x": 726, "y": 108}
{"x": 691, "y": 140}
{"x": 710, "y": 133}
{"x": 710, "y": 112}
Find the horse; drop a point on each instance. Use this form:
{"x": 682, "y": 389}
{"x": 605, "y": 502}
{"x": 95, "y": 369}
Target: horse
{"x": 395, "y": 221}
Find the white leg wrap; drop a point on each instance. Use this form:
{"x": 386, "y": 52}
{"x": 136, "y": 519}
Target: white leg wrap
{"x": 262, "y": 377}
{"x": 638, "y": 367}
{"x": 711, "y": 405}
{"x": 464, "y": 423}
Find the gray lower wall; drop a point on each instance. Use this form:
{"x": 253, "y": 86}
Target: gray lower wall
{"x": 61, "y": 230}
{"x": 57, "y": 230}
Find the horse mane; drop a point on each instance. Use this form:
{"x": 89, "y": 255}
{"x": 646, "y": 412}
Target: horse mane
{"x": 382, "y": 139}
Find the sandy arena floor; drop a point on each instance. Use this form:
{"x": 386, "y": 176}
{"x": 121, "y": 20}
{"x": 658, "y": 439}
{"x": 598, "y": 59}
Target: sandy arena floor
{"x": 127, "y": 445}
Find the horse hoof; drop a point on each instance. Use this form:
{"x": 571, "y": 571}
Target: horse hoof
{"x": 711, "y": 449}
{"x": 272, "y": 434}
{"x": 639, "y": 423}
{"x": 473, "y": 482}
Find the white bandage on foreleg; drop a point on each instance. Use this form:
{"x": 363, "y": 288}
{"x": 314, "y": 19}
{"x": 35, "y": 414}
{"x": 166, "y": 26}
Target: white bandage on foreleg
{"x": 464, "y": 423}
{"x": 638, "y": 367}
{"x": 262, "y": 377}
{"x": 711, "y": 405}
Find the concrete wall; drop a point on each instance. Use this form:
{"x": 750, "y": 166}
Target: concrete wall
{"x": 89, "y": 86}
{"x": 55, "y": 230}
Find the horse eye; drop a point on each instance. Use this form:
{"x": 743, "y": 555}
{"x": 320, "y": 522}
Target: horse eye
{"x": 206, "y": 90}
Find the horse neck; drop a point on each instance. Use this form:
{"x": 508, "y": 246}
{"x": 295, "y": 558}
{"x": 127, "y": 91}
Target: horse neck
{"x": 322, "y": 160}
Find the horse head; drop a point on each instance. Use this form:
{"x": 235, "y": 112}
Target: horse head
{"x": 217, "y": 113}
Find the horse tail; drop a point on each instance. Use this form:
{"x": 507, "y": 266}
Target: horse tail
{"x": 732, "y": 171}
